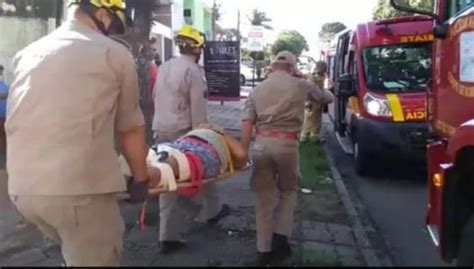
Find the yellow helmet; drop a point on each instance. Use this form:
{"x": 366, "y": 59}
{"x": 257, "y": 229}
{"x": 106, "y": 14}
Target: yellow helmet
{"x": 116, "y": 7}
{"x": 188, "y": 33}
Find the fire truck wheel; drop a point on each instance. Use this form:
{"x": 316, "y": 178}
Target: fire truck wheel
{"x": 465, "y": 255}
{"x": 361, "y": 160}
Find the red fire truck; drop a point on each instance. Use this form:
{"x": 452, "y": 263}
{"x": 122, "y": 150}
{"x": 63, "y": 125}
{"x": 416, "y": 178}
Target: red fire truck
{"x": 382, "y": 69}
{"x": 450, "y": 216}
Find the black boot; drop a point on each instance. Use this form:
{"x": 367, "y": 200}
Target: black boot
{"x": 280, "y": 247}
{"x": 225, "y": 211}
{"x": 264, "y": 259}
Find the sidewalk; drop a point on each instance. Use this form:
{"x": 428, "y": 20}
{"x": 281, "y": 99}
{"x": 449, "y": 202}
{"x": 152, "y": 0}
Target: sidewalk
{"x": 322, "y": 233}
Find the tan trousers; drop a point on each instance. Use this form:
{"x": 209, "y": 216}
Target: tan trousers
{"x": 88, "y": 228}
{"x": 312, "y": 121}
{"x": 275, "y": 181}
{"x": 174, "y": 209}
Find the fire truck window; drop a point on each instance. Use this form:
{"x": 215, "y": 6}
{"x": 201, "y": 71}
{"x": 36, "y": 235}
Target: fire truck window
{"x": 398, "y": 68}
{"x": 458, "y": 5}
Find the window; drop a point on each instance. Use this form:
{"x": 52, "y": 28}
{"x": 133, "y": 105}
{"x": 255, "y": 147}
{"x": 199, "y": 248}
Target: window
{"x": 398, "y": 68}
{"x": 455, "y": 6}
{"x": 187, "y": 12}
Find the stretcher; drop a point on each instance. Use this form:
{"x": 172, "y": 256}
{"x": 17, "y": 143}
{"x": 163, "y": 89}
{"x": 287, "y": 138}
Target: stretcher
{"x": 154, "y": 192}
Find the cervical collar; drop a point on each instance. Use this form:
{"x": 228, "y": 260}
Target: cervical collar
{"x": 167, "y": 176}
{"x": 184, "y": 173}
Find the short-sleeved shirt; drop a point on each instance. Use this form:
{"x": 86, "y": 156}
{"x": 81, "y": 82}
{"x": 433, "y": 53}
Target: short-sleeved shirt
{"x": 278, "y": 103}
{"x": 3, "y": 102}
{"x": 72, "y": 91}
{"x": 180, "y": 96}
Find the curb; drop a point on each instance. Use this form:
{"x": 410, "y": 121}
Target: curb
{"x": 362, "y": 240}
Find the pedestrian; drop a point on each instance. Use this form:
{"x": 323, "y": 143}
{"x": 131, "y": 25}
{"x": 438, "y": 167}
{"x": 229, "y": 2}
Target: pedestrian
{"x": 2, "y": 70}
{"x": 181, "y": 96}
{"x": 153, "y": 76}
{"x": 275, "y": 109}
{"x": 314, "y": 110}
{"x": 3, "y": 107}
{"x": 73, "y": 90}
{"x": 158, "y": 61}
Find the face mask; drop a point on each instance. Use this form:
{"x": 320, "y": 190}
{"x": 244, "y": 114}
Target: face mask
{"x": 2, "y": 78}
{"x": 106, "y": 27}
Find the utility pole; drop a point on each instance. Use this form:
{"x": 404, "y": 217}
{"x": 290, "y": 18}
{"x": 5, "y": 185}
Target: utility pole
{"x": 238, "y": 26}
{"x": 214, "y": 11}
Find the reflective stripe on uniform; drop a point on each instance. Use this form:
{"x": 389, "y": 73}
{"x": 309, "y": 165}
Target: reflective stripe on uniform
{"x": 396, "y": 107}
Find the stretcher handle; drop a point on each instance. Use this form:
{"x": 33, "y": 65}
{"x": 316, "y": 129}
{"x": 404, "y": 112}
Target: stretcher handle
{"x": 155, "y": 192}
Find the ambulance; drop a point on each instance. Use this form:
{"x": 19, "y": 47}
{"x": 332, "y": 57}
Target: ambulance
{"x": 382, "y": 69}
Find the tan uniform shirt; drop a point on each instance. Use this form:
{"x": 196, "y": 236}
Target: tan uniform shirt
{"x": 72, "y": 90}
{"x": 180, "y": 96}
{"x": 278, "y": 103}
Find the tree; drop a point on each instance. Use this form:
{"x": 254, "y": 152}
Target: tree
{"x": 383, "y": 9}
{"x": 328, "y": 30}
{"x": 291, "y": 41}
{"x": 216, "y": 16}
{"x": 139, "y": 39}
{"x": 260, "y": 18}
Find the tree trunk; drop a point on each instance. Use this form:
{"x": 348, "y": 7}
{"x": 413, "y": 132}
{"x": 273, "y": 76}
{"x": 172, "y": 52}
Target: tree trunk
{"x": 138, "y": 37}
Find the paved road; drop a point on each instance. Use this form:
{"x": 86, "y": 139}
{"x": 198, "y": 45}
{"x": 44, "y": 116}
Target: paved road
{"x": 394, "y": 204}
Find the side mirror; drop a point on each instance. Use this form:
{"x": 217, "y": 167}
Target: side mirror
{"x": 346, "y": 85}
{"x": 440, "y": 31}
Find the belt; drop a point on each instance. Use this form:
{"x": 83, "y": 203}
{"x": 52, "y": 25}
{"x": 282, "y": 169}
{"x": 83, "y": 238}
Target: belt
{"x": 278, "y": 134}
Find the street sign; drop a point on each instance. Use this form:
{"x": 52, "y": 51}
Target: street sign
{"x": 222, "y": 65}
{"x": 255, "y": 39}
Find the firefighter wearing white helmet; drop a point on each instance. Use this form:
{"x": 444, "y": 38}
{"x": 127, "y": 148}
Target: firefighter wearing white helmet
{"x": 181, "y": 101}
{"x": 65, "y": 181}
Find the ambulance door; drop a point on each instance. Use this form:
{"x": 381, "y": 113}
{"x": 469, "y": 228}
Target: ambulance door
{"x": 341, "y": 69}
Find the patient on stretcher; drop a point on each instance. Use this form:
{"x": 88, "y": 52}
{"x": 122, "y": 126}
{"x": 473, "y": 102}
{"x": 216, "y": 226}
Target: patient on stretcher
{"x": 204, "y": 153}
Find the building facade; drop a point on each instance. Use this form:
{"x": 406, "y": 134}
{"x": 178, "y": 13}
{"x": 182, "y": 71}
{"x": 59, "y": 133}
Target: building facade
{"x": 22, "y": 24}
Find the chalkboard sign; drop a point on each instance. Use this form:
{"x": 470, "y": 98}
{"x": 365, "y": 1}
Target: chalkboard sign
{"x": 222, "y": 65}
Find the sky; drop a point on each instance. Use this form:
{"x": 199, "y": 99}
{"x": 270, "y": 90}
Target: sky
{"x": 305, "y": 16}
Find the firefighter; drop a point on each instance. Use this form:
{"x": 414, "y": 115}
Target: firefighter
{"x": 181, "y": 102}
{"x": 72, "y": 90}
{"x": 275, "y": 109}
{"x": 314, "y": 111}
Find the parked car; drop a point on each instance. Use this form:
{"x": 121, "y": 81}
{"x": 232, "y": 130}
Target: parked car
{"x": 246, "y": 74}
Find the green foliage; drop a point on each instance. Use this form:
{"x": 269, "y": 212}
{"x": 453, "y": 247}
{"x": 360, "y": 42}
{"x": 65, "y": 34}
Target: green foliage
{"x": 328, "y": 30}
{"x": 260, "y": 18}
{"x": 216, "y": 11}
{"x": 291, "y": 41}
{"x": 314, "y": 166}
{"x": 383, "y": 9}
{"x": 313, "y": 257}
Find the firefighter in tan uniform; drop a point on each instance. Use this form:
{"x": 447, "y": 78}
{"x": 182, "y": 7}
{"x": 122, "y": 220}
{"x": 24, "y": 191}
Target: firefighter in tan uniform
{"x": 72, "y": 91}
{"x": 276, "y": 110}
{"x": 181, "y": 105}
{"x": 314, "y": 110}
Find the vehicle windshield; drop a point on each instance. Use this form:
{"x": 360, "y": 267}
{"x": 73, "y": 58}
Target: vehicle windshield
{"x": 455, "y": 7}
{"x": 398, "y": 68}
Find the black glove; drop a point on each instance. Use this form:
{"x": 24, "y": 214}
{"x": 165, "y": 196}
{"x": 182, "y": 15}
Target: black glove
{"x": 138, "y": 191}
